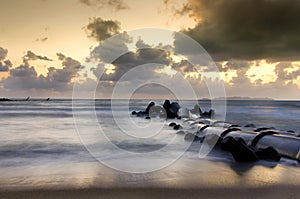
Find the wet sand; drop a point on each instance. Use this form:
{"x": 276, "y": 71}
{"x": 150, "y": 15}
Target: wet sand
{"x": 186, "y": 178}
{"x": 265, "y": 192}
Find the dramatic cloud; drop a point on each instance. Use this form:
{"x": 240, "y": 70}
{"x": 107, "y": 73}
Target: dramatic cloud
{"x": 236, "y": 65}
{"x": 184, "y": 66}
{"x": 283, "y": 74}
{"x": 101, "y": 29}
{"x": 112, "y": 48}
{"x": 25, "y": 76}
{"x": 3, "y": 53}
{"x": 4, "y": 64}
{"x": 143, "y": 56}
{"x": 246, "y": 29}
{"x": 131, "y": 60}
{"x": 115, "y": 4}
{"x": 32, "y": 56}
{"x": 141, "y": 44}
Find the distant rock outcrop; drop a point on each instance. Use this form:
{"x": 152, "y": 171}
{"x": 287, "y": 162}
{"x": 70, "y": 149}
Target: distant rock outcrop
{"x": 5, "y": 100}
{"x": 244, "y": 98}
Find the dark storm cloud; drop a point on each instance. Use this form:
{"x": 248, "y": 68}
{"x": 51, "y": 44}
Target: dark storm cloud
{"x": 101, "y": 29}
{"x": 115, "y": 51}
{"x": 131, "y": 60}
{"x": 142, "y": 56}
{"x": 4, "y": 64}
{"x": 25, "y": 76}
{"x": 246, "y": 29}
{"x": 115, "y": 4}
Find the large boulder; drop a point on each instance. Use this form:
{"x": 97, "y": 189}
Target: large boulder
{"x": 239, "y": 149}
{"x": 268, "y": 153}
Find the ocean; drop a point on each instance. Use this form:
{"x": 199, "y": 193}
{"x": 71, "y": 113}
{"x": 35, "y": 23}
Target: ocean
{"x": 41, "y": 141}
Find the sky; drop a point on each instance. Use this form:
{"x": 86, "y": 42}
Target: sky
{"x": 249, "y": 48}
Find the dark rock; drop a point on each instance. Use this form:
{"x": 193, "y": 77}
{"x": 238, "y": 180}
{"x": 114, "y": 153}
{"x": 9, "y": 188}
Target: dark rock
{"x": 141, "y": 114}
{"x": 177, "y": 127}
{"x": 268, "y": 153}
{"x": 148, "y": 118}
{"x": 264, "y": 129}
{"x": 5, "y": 100}
{"x": 208, "y": 114}
{"x": 172, "y": 124}
{"x": 234, "y": 126}
{"x": 250, "y": 125}
{"x": 149, "y": 107}
{"x": 133, "y": 113}
{"x": 171, "y": 109}
{"x": 239, "y": 149}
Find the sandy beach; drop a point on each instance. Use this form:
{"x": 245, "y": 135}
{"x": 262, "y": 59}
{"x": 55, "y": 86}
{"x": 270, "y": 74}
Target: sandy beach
{"x": 266, "y": 192}
{"x": 186, "y": 178}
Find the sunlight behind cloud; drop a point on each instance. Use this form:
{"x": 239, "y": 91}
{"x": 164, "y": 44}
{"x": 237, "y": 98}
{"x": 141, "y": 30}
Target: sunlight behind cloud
{"x": 166, "y": 70}
{"x": 109, "y": 69}
{"x": 228, "y": 76}
{"x": 262, "y": 71}
{"x": 177, "y": 58}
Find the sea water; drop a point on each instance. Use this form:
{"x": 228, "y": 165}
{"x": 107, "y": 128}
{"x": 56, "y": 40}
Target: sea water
{"x": 37, "y": 136}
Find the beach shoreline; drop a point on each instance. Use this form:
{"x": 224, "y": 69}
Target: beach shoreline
{"x": 155, "y": 192}
{"x": 186, "y": 178}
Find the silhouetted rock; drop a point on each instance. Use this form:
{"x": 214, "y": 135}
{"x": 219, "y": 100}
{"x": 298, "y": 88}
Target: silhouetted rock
{"x": 5, "y": 100}
{"x": 234, "y": 126}
{"x": 144, "y": 113}
{"x": 172, "y": 124}
{"x": 239, "y": 149}
{"x": 177, "y": 127}
{"x": 268, "y": 153}
{"x": 250, "y": 125}
{"x": 264, "y": 129}
{"x": 208, "y": 114}
{"x": 148, "y": 107}
{"x": 171, "y": 109}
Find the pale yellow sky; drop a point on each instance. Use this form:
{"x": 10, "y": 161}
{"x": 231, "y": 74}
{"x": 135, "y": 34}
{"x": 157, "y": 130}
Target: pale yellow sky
{"x": 23, "y": 22}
